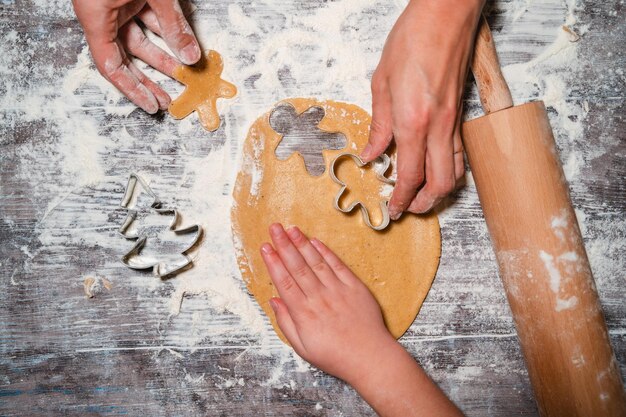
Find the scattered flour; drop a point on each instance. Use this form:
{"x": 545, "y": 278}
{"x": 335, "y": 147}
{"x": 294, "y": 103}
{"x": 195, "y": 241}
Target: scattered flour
{"x": 554, "y": 273}
{"x": 327, "y": 52}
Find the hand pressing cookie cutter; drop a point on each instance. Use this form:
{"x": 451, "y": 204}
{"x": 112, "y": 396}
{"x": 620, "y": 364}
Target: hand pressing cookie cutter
{"x": 380, "y": 174}
{"x": 160, "y": 269}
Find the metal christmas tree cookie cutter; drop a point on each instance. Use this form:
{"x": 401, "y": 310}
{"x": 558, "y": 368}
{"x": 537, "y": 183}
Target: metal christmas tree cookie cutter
{"x": 383, "y": 162}
{"x": 132, "y": 258}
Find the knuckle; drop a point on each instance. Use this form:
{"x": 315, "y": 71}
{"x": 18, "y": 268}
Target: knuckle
{"x": 282, "y": 240}
{"x": 410, "y": 182}
{"x": 445, "y": 187}
{"x": 448, "y": 115}
{"x": 301, "y": 270}
{"x": 319, "y": 267}
{"x": 339, "y": 267}
{"x": 141, "y": 41}
{"x": 285, "y": 282}
{"x": 414, "y": 119}
{"x": 378, "y": 82}
{"x": 379, "y": 126}
{"x": 299, "y": 241}
{"x": 308, "y": 314}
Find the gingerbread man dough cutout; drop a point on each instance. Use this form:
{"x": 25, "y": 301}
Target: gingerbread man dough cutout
{"x": 301, "y": 134}
{"x": 204, "y": 86}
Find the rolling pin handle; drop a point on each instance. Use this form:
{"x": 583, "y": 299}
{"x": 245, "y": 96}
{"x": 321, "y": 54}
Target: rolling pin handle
{"x": 492, "y": 88}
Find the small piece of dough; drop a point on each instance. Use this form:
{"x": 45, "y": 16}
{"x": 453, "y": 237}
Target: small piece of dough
{"x": 397, "y": 265}
{"x": 204, "y": 86}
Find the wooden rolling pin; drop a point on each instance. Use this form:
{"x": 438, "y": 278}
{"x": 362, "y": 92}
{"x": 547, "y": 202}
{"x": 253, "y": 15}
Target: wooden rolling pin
{"x": 541, "y": 258}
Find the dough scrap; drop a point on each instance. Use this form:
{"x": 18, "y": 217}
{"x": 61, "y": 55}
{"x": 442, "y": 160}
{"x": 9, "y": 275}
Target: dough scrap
{"x": 204, "y": 86}
{"x": 397, "y": 264}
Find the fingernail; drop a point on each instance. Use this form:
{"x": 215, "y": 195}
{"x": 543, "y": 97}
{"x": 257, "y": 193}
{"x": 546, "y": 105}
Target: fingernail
{"x": 273, "y": 304}
{"x": 164, "y": 102}
{"x": 151, "y": 108}
{"x": 394, "y": 214}
{"x": 190, "y": 54}
{"x": 316, "y": 243}
{"x": 366, "y": 151}
{"x": 276, "y": 229}
{"x": 293, "y": 232}
{"x": 267, "y": 249}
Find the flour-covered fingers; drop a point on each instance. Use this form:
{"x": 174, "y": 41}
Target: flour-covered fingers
{"x": 127, "y": 12}
{"x": 340, "y": 269}
{"x": 175, "y": 30}
{"x": 313, "y": 258}
{"x": 286, "y": 286}
{"x": 440, "y": 180}
{"x": 410, "y": 162}
{"x": 380, "y": 128}
{"x": 113, "y": 64}
{"x": 137, "y": 44}
{"x": 459, "y": 162}
{"x": 293, "y": 260}
{"x": 162, "y": 97}
{"x": 286, "y": 324}
{"x": 149, "y": 18}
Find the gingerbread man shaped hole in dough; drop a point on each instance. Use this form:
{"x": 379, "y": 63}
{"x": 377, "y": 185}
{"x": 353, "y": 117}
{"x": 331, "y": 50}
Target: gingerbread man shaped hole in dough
{"x": 204, "y": 87}
{"x": 302, "y": 135}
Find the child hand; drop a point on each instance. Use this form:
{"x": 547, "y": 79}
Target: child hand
{"x": 326, "y": 312}
{"x": 333, "y": 321}
{"x": 113, "y": 34}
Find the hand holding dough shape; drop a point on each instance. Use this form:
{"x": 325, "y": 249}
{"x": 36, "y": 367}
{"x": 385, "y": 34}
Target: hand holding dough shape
{"x": 204, "y": 86}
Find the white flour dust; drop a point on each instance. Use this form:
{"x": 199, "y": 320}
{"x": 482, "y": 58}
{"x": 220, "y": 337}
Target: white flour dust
{"x": 270, "y": 54}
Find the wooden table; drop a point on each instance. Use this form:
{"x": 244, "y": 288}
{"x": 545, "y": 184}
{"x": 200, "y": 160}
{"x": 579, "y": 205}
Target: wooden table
{"x": 122, "y": 352}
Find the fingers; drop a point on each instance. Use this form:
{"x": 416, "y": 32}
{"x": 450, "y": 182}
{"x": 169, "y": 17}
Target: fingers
{"x": 175, "y": 30}
{"x": 286, "y": 286}
{"x": 312, "y": 257}
{"x": 129, "y": 10}
{"x": 340, "y": 269}
{"x": 293, "y": 260}
{"x": 137, "y": 44}
{"x": 149, "y": 18}
{"x": 114, "y": 65}
{"x": 410, "y": 168}
{"x": 440, "y": 174}
{"x": 380, "y": 128}
{"x": 162, "y": 97}
{"x": 286, "y": 324}
{"x": 459, "y": 163}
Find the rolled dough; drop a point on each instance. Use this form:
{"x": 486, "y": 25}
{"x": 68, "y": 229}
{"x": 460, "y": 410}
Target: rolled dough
{"x": 397, "y": 265}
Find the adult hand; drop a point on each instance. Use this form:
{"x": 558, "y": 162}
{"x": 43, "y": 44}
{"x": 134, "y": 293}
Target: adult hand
{"x": 416, "y": 100}
{"x": 112, "y": 32}
{"x": 333, "y": 321}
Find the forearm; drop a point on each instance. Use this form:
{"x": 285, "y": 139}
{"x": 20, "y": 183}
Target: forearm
{"x": 395, "y": 385}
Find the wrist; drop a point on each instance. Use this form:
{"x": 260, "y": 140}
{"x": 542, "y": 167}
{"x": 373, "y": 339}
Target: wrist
{"x": 466, "y": 5}
{"x": 394, "y": 384}
{"x": 450, "y": 11}
{"x": 374, "y": 357}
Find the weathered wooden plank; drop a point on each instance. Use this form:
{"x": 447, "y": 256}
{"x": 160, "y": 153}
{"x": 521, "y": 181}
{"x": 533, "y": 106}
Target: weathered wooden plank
{"x": 122, "y": 353}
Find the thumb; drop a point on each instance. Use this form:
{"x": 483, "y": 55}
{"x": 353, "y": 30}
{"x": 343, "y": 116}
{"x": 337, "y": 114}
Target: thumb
{"x": 286, "y": 324}
{"x": 175, "y": 30}
{"x": 380, "y": 129}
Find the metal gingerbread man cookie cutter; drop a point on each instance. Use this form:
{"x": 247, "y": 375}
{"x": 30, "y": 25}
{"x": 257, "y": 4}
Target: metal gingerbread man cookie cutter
{"x": 383, "y": 162}
{"x": 159, "y": 268}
